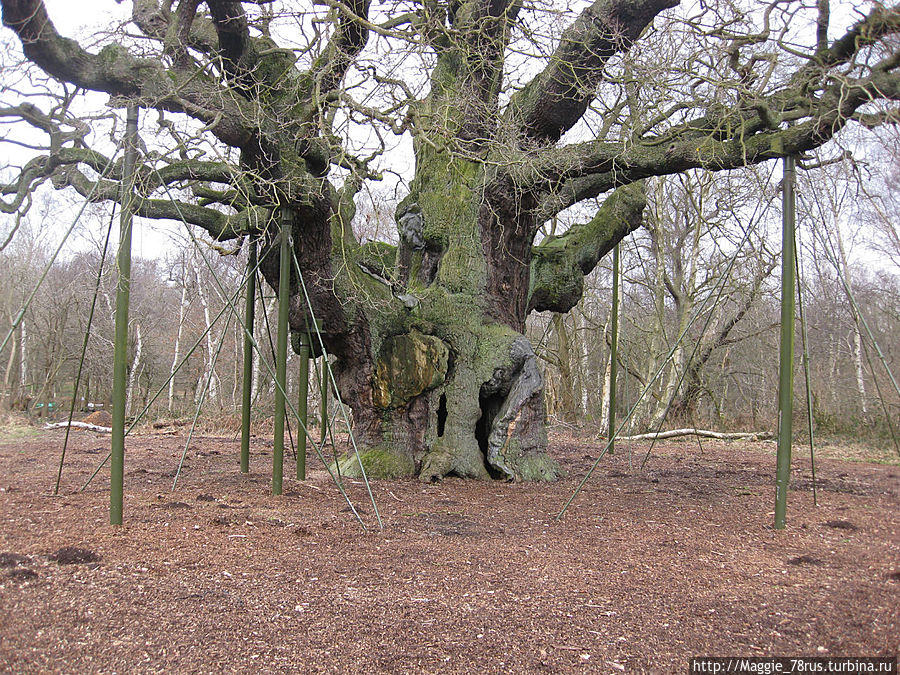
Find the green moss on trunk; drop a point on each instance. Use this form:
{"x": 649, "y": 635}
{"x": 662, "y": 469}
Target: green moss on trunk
{"x": 379, "y": 462}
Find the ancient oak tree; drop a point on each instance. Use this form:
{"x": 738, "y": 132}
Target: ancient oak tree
{"x": 269, "y": 113}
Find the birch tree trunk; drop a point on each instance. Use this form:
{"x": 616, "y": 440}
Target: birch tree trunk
{"x": 580, "y": 362}
{"x": 135, "y": 367}
{"x": 23, "y": 357}
{"x": 182, "y": 306}
{"x": 259, "y": 371}
{"x": 237, "y": 353}
{"x": 209, "y": 373}
{"x": 604, "y": 396}
{"x": 607, "y": 373}
{"x": 576, "y": 367}
{"x": 860, "y": 376}
{"x": 8, "y": 372}
{"x": 856, "y": 347}
{"x": 658, "y": 330}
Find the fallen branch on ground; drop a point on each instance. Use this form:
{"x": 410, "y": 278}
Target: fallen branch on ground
{"x": 675, "y": 433}
{"x": 79, "y": 425}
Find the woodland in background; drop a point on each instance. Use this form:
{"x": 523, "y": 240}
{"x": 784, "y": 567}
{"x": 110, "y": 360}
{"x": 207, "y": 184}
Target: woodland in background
{"x": 671, "y": 270}
{"x": 520, "y": 142}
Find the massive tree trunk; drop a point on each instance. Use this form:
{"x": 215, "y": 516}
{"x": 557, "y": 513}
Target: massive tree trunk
{"x": 430, "y": 354}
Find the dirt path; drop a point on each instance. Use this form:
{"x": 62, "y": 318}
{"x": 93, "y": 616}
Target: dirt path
{"x": 646, "y": 570}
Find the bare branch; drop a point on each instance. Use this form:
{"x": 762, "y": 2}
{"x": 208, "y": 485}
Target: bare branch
{"x": 117, "y": 72}
{"x": 559, "y": 96}
{"x": 221, "y": 226}
{"x": 348, "y": 40}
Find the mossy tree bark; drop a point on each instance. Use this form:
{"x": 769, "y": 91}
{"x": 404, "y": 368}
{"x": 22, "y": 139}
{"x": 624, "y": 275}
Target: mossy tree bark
{"x": 427, "y": 334}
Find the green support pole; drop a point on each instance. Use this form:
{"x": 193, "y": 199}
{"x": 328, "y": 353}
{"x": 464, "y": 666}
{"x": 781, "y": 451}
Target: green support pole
{"x": 786, "y": 361}
{"x": 302, "y": 396}
{"x": 120, "y": 357}
{"x": 249, "y": 320}
{"x": 284, "y": 296}
{"x": 614, "y": 350}
{"x": 323, "y": 427}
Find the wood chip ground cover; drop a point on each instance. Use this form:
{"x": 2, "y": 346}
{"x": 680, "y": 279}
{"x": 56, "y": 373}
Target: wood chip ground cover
{"x": 647, "y": 569}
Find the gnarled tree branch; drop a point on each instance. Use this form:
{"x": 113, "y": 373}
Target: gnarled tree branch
{"x": 117, "y": 72}
{"x": 558, "y": 97}
{"x": 559, "y": 264}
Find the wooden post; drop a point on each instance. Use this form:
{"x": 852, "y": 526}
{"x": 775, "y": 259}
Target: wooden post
{"x": 284, "y": 297}
{"x": 249, "y": 320}
{"x": 302, "y": 396}
{"x": 786, "y": 361}
{"x": 323, "y": 428}
{"x": 123, "y": 290}
{"x": 614, "y": 350}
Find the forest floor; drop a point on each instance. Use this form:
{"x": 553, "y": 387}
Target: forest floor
{"x": 647, "y": 568}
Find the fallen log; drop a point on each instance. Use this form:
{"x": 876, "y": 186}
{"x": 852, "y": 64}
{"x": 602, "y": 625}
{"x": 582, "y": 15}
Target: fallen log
{"x": 722, "y": 436}
{"x": 80, "y": 425}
